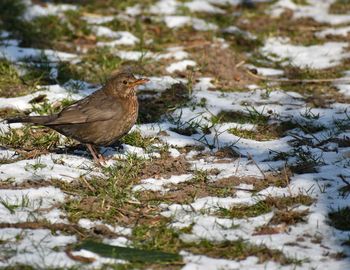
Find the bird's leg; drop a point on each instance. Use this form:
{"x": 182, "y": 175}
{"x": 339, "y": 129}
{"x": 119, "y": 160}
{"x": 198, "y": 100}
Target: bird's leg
{"x": 98, "y": 158}
{"x": 101, "y": 159}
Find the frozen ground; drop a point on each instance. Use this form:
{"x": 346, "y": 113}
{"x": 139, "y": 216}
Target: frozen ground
{"x": 228, "y": 166}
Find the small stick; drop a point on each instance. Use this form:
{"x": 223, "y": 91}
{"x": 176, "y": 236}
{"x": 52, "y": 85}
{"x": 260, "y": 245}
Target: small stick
{"x": 256, "y": 164}
{"x": 87, "y": 184}
{"x": 343, "y": 179}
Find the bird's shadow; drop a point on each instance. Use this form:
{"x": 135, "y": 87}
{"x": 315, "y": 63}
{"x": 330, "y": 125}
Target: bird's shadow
{"x": 81, "y": 150}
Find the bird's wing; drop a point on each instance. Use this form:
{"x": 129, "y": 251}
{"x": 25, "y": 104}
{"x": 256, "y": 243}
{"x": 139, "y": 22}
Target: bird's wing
{"x": 96, "y": 107}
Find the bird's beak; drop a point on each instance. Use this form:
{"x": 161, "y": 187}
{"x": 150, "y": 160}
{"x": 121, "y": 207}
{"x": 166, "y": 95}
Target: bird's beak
{"x": 139, "y": 82}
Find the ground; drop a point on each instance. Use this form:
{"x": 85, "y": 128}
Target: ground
{"x": 240, "y": 158}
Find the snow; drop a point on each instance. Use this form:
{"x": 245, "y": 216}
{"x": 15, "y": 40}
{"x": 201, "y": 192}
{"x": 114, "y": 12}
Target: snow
{"x": 120, "y": 37}
{"x": 203, "y": 6}
{"x": 36, "y": 248}
{"x": 266, "y": 71}
{"x": 317, "y": 10}
{"x": 344, "y": 88}
{"x": 322, "y": 56}
{"x": 160, "y": 83}
{"x": 53, "y": 93}
{"x": 33, "y": 11}
{"x": 180, "y": 66}
{"x": 164, "y": 7}
{"x": 88, "y": 224}
{"x": 94, "y": 19}
{"x": 54, "y": 166}
{"x": 27, "y": 204}
{"x": 14, "y": 53}
{"x": 176, "y": 53}
{"x": 234, "y": 30}
{"x": 26, "y": 195}
{"x": 158, "y": 184}
{"x": 180, "y": 21}
{"x": 341, "y": 31}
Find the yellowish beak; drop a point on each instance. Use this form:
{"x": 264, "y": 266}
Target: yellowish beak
{"x": 138, "y": 82}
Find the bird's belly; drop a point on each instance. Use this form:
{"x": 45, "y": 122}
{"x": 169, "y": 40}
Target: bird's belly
{"x": 107, "y": 132}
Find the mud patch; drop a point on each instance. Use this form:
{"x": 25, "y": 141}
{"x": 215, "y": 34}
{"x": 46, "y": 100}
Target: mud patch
{"x": 221, "y": 64}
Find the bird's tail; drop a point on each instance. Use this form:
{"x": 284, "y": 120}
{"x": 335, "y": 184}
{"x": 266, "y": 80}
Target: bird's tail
{"x": 37, "y": 120}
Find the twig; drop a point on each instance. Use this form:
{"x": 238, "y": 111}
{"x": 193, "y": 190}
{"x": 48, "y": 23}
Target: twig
{"x": 87, "y": 184}
{"x": 256, "y": 164}
{"x": 343, "y": 179}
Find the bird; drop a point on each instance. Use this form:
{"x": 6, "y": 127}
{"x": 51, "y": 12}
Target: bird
{"x": 99, "y": 119}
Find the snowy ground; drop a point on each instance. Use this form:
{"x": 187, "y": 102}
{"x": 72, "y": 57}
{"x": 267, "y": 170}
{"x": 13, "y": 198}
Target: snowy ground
{"x": 230, "y": 165}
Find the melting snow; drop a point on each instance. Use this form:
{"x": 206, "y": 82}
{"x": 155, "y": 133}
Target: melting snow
{"x": 327, "y": 55}
{"x": 180, "y": 66}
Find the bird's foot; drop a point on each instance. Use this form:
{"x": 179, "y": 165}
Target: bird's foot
{"x": 98, "y": 158}
{"x": 101, "y": 160}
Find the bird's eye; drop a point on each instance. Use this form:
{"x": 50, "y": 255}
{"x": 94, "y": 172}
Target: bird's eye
{"x": 125, "y": 82}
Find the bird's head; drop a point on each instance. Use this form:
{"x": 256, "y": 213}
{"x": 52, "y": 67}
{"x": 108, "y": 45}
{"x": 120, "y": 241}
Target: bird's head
{"x": 123, "y": 84}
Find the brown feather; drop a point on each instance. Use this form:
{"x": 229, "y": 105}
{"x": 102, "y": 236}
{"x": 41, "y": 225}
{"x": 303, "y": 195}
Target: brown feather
{"x": 101, "y": 118}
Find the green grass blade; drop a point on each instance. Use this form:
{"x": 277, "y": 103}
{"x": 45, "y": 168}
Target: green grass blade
{"x": 129, "y": 254}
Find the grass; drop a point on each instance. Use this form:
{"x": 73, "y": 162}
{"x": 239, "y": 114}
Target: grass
{"x": 264, "y": 132}
{"x": 135, "y": 138}
{"x": 11, "y": 207}
{"x": 240, "y": 250}
{"x": 340, "y": 7}
{"x": 289, "y": 217}
{"x": 152, "y": 110}
{"x": 11, "y": 83}
{"x": 30, "y": 138}
{"x": 105, "y": 198}
{"x": 158, "y": 235}
{"x": 250, "y": 115}
{"x": 43, "y": 107}
{"x": 340, "y": 219}
{"x": 10, "y": 11}
{"x": 110, "y": 196}
{"x": 44, "y": 32}
{"x": 306, "y": 161}
{"x": 265, "y": 206}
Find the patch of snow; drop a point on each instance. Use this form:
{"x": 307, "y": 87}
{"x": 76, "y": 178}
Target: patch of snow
{"x": 180, "y": 66}
{"x": 88, "y": 224}
{"x": 134, "y": 10}
{"x": 121, "y": 37}
{"x": 160, "y": 83}
{"x": 234, "y": 30}
{"x": 95, "y": 19}
{"x": 266, "y": 71}
{"x": 344, "y": 88}
{"x": 53, "y": 93}
{"x": 26, "y": 203}
{"x": 133, "y": 55}
{"x": 341, "y": 31}
{"x": 315, "y": 9}
{"x": 36, "y": 248}
{"x": 158, "y": 184}
{"x": 203, "y": 6}
{"x": 197, "y": 24}
{"x": 176, "y": 53}
{"x": 46, "y": 167}
{"x": 164, "y": 7}
{"x": 32, "y": 11}
{"x": 14, "y": 53}
{"x": 323, "y": 56}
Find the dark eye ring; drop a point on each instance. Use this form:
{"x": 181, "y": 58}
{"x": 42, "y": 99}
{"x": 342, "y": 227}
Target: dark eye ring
{"x": 125, "y": 82}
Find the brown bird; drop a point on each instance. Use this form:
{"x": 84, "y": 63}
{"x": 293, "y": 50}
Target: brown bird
{"x": 99, "y": 119}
